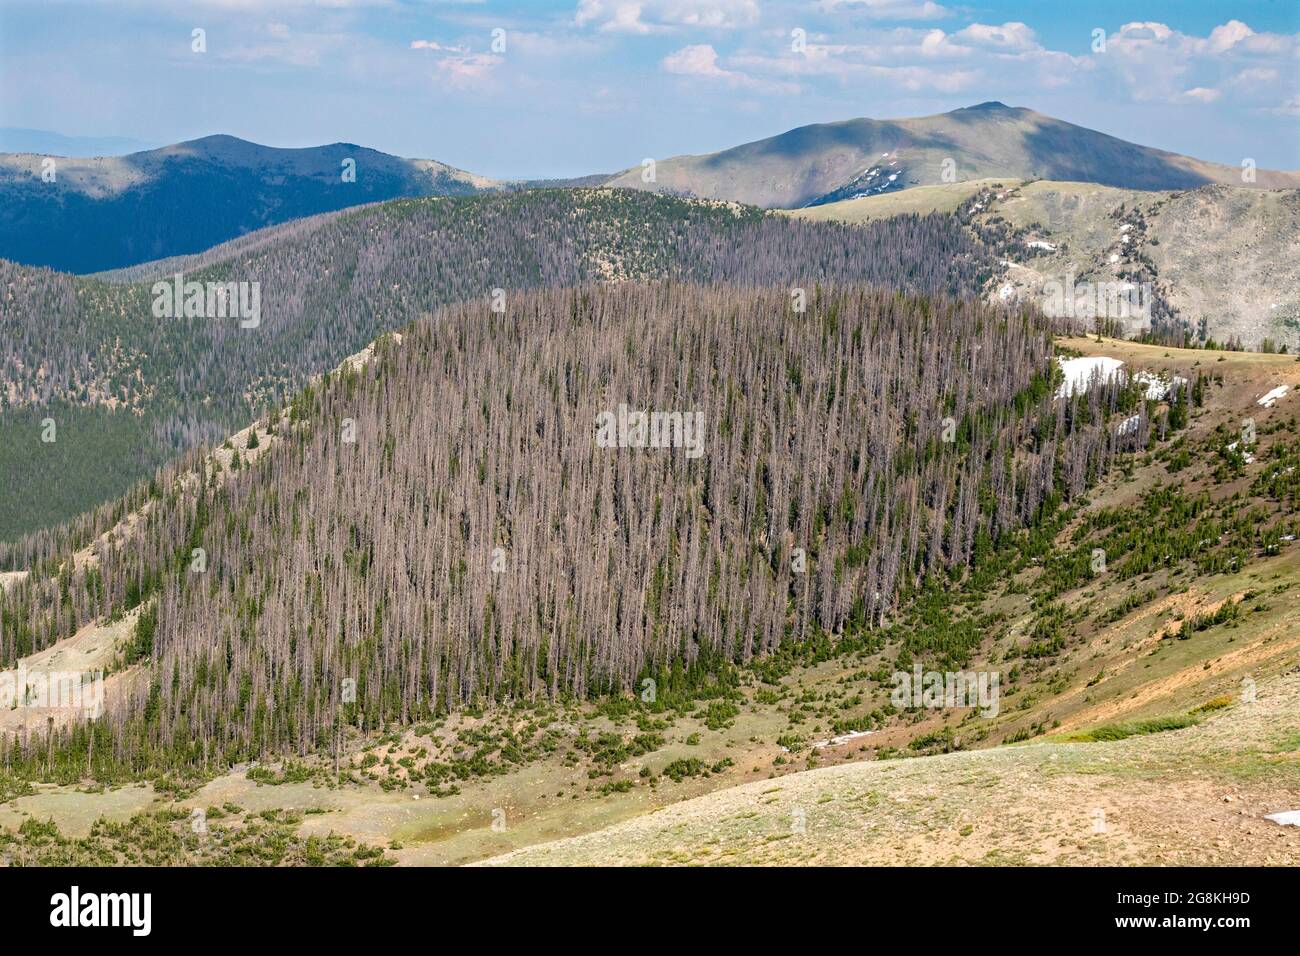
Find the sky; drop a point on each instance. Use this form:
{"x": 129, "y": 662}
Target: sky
{"x": 570, "y": 87}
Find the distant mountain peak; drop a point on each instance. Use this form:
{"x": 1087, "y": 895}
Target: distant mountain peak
{"x": 826, "y": 162}
{"x": 217, "y": 138}
{"x": 216, "y": 188}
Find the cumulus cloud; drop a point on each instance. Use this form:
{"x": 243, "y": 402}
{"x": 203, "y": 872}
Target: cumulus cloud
{"x": 915, "y": 60}
{"x": 1141, "y": 31}
{"x": 1158, "y": 63}
{"x": 1228, "y": 35}
{"x": 697, "y": 60}
{"x": 1014, "y": 37}
{"x": 701, "y": 60}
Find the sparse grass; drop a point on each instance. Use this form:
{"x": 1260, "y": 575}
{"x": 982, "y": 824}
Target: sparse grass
{"x": 167, "y": 837}
{"x": 1216, "y": 703}
{"x": 1107, "y": 732}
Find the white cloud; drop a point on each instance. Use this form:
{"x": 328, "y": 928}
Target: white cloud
{"x": 556, "y": 43}
{"x": 697, "y": 60}
{"x": 277, "y": 43}
{"x": 936, "y": 43}
{"x": 912, "y": 59}
{"x": 1289, "y": 108}
{"x": 1229, "y": 35}
{"x": 468, "y": 70}
{"x": 1255, "y": 75}
{"x": 916, "y": 79}
{"x": 457, "y": 66}
{"x": 437, "y": 47}
{"x": 269, "y": 5}
{"x": 700, "y": 59}
{"x": 1144, "y": 31}
{"x": 888, "y": 9}
{"x": 1159, "y": 64}
{"x": 662, "y": 16}
{"x": 1011, "y": 37}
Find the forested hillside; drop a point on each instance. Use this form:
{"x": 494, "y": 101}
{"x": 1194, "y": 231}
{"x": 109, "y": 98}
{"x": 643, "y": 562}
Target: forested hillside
{"x": 441, "y": 525}
{"x": 128, "y": 390}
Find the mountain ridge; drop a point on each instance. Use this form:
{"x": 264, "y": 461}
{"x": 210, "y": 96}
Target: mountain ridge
{"x": 824, "y": 162}
{"x": 190, "y": 196}
{"x": 186, "y": 197}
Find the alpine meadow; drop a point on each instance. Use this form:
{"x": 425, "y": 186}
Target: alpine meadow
{"x": 743, "y": 439}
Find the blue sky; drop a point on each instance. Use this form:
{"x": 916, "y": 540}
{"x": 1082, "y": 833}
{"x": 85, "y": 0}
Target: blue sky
{"x": 586, "y": 86}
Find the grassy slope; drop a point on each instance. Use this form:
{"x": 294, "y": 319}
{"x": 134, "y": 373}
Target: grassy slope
{"x": 920, "y": 200}
{"x": 1193, "y": 796}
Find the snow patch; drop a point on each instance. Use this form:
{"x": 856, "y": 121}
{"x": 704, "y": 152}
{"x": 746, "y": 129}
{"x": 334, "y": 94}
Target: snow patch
{"x": 1079, "y": 373}
{"x": 1288, "y": 818}
{"x": 1158, "y": 387}
{"x": 1246, "y": 456}
{"x": 843, "y": 738}
{"x": 1270, "y": 399}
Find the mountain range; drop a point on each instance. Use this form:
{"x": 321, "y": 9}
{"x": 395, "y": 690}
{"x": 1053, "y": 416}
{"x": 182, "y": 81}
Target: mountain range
{"x": 109, "y": 212}
{"x": 14, "y": 139}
